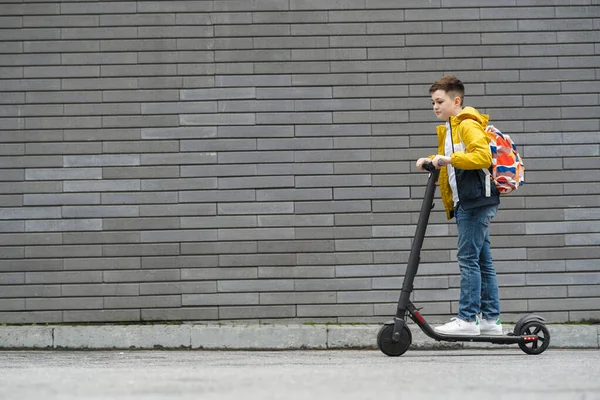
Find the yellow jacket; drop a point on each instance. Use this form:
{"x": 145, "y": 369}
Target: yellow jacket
{"x": 468, "y": 128}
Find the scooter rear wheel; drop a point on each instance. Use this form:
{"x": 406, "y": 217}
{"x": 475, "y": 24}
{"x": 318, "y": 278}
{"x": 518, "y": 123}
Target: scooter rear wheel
{"x": 541, "y": 344}
{"x": 387, "y": 346}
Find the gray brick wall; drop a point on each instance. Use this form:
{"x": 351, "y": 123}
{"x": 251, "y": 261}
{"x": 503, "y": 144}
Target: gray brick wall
{"x": 254, "y": 160}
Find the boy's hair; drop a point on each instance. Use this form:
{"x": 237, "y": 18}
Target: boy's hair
{"x": 451, "y": 85}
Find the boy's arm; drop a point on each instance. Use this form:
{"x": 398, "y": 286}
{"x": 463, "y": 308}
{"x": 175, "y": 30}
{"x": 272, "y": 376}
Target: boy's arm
{"x": 478, "y": 154}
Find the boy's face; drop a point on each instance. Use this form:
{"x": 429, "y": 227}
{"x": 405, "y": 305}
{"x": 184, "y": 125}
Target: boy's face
{"x": 444, "y": 106}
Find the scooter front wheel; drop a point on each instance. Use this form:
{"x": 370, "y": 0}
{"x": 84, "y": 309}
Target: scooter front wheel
{"x": 387, "y": 346}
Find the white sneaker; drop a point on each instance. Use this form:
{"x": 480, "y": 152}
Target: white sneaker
{"x": 490, "y": 327}
{"x": 459, "y": 327}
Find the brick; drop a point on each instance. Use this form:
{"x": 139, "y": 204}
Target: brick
{"x": 12, "y": 226}
{"x": 61, "y": 199}
{"x": 257, "y": 312}
{"x": 12, "y": 278}
{"x": 101, "y": 316}
{"x": 141, "y": 275}
{"x": 101, "y": 186}
{"x": 178, "y": 133}
{"x": 255, "y": 208}
{"x": 275, "y": 285}
{"x": 104, "y": 263}
{"x": 179, "y": 262}
{"x": 519, "y": 38}
{"x": 253, "y": 80}
{"x": 98, "y": 33}
{"x": 218, "y": 170}
{"x": 291, "y": 42}
{"x": 295, "y": 169}
{"x": 100, "y": 290}
{"x": 211, "y": 248}
{"x": 29, "y": 213}
{"x": 332, "y": 207}
{"x": 139, "y": 198}
{"x": 174, "y": 6}
{"x": 295, "y": 220}
{"x": 102, "y": 134}
{"x": 216, "y": 196}
{"x": 334, "y": 80}
{"x": 23, "y": 34}
{"x": 335, "y": 310}
{"x": 255, "y": 233}
{"x": 256, "y": 157}
{"x": 257, "y": 260}
{"x": 30, "y": 187}
{"x": 180, "y": 235}
{"x": 254, "y": 131}
{"x": 63, "y": 251}
{"x": 256, "y": 182}
{"x": 140, "y": 95}
{"x": 142, "y": 302}
{"x": 219, "y": 273}
{"x": 179, "y": 108}
{"x": 179, "y": 209}
{"x": 99, "y": 211}
{"x": 294, "y": 118}
{"x": 573, "y": 12}
{"x": 102, "y": 109}
{"x": 12, "y": 174}
{"x": 291, "y": 67}
{"x": 174, "y": 31}
{"x": 31, "y": 291}
{"x": 255, "y": 106}
{"x": 219, "y": 299}
{"x": 137, "y": 19}
{"x": 365, "y": 15}
{"x": 217, "y": 119}
{"x": 99, "y": 83}
{"x": 127, "y": 250}
{"x": 218, "y": 94}
{"x": 295, "y": 246}
{"x": 178, "y": 158}
{"x": 325, "y": 5}
{"x": 126, "y": 7}
{"x": 217, "y": 145}
{"x": 64, "y": 303}
{"x": 62, "y": 122}
{"x": 140, "y": 172}
{"x": 63, "y": 225}
{"x": 116, "y": 224}
{"x": 192, "y": 314}
{"x": 179, "y": 184}
{"x": 62, "y": 148}
{"x": 63, "y": 277}
{"x": 293, "y": 194}
{"x": 177, "y": 288}
{"x": 297, "y": 298}
{"x": 24, "y": 317}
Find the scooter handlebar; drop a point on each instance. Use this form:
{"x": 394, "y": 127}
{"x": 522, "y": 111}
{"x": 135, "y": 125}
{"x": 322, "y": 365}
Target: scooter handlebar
{"x": 428, "y": 165}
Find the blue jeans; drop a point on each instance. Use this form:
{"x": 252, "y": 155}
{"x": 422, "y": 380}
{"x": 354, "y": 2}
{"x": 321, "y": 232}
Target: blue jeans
{"x": 478, "y": 282}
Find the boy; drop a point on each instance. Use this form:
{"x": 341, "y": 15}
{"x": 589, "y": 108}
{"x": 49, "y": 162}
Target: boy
{"x": 469, "y": 195}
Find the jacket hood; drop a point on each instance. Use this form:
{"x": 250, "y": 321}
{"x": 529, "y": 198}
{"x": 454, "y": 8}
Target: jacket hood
{"x": 471, "y": 113}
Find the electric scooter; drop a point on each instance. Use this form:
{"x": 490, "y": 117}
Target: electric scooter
{"x": 394, "y": 337}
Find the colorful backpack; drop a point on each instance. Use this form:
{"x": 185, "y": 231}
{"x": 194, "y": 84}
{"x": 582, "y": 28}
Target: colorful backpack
{"x": 508, "y": 170}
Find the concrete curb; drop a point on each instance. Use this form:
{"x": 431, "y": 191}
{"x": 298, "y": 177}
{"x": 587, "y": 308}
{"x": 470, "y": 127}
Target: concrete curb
{"x": 249, "y": 337}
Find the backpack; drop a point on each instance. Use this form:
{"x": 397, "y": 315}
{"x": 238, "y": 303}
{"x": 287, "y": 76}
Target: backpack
{"x": 508, "y": 170}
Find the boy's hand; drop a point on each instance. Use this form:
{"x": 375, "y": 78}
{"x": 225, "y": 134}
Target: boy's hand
{"x": 422, "y": 161}
{"x": 444, "y": 161}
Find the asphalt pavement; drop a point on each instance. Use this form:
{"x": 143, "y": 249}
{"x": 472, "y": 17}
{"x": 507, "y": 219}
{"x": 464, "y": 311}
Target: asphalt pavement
{"x": 318, "y": 374}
